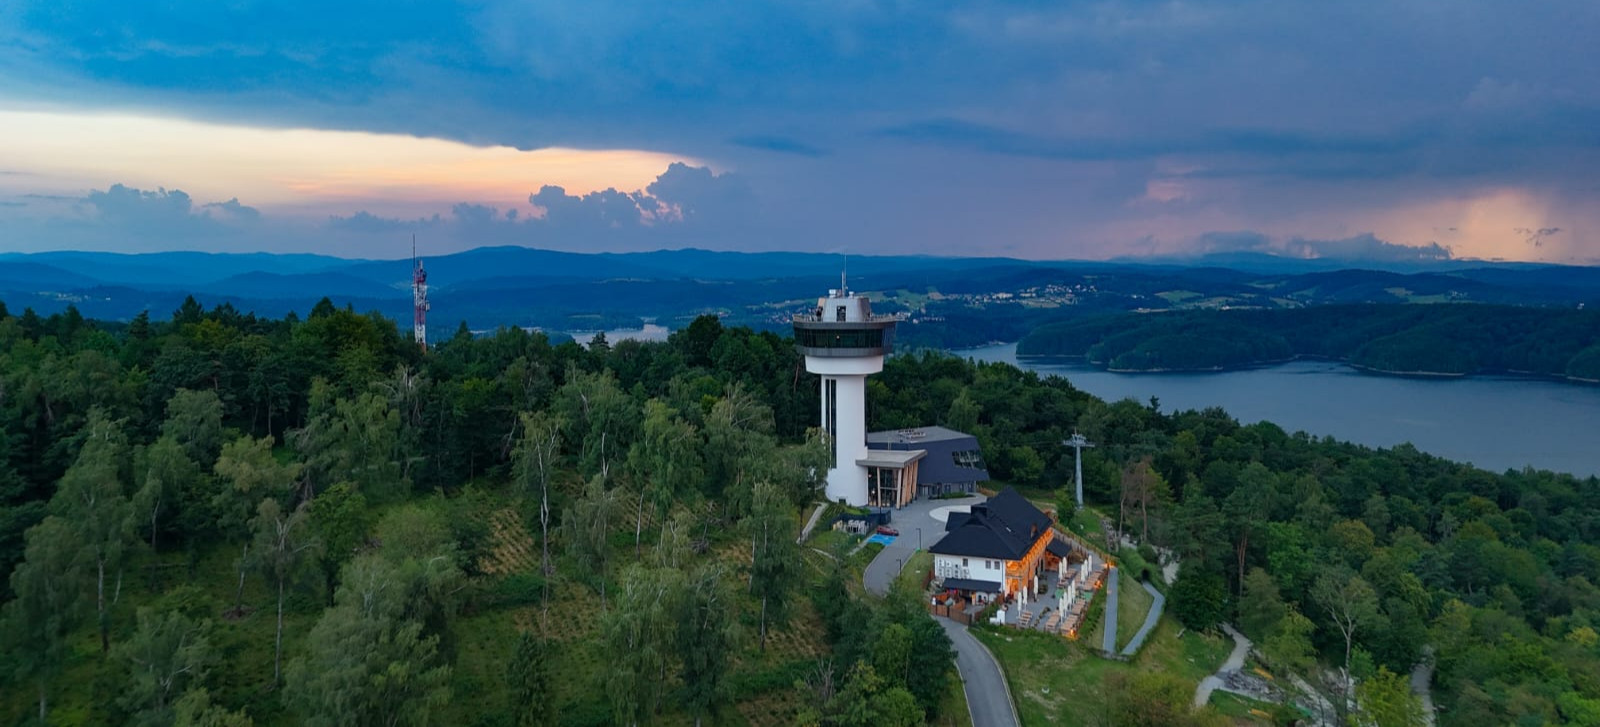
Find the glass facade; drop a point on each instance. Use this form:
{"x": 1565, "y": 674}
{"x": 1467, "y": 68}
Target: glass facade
{"x": 831, "y": 389}
{"x": 839, "y": 338}
{"x": 883, "y": 487}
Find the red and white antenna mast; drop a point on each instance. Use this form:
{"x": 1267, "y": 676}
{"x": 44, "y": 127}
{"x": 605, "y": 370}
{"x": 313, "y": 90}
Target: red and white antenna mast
{"x": 419, "y": 298}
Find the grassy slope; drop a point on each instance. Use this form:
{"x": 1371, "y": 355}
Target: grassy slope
{"x": 1243, "y": 710}
{"x": 1133, "y": 604}
{"x": 1056, "y": 681}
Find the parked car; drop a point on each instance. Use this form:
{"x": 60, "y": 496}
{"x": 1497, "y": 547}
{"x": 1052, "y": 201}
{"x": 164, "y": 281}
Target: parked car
{"x": 886, "y": 530}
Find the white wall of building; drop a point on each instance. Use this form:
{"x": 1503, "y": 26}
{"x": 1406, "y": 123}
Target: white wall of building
{"x": 978, "y": 569}
{"x": 846, "y": 480}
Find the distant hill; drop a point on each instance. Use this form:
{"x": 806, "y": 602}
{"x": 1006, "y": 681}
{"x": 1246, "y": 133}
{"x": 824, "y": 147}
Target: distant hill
{"x": 33, "y": 276}
{"x": 948, "y": 301}
{"x": 314, "y": 285}
{"x": 1453, "y": 340}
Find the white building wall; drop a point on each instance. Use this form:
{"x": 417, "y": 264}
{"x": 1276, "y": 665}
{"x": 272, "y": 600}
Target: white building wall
{"x": 846, "y": 480}
{"x": 978, "y": 569}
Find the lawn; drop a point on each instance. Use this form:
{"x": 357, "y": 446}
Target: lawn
{"x": 1133, "y": 605}
{"x": 1056, "y": 681}
{"x": 1243, "y": 710}
{"x": 915, "y": 570}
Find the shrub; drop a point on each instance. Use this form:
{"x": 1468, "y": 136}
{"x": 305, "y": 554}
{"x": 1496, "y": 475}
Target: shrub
{"x": 517, "y": 589}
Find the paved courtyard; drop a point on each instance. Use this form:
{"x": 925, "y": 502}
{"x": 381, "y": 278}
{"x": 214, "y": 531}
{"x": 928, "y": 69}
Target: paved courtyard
{"x": 921, "y": 524}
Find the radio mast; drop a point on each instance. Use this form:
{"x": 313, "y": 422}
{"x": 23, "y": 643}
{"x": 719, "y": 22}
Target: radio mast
{"x": 419, "y": 298}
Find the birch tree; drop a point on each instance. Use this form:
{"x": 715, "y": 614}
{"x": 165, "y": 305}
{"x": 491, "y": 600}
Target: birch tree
{"x": 640, "y": 633}
{"x": 91, "y": 498}
{"x": 535, "y": 460}
{"x": 284, "y": 547}
{"x": 48, "y": 584}
{"x": 167, "y": 653}
{"x": 587, "y": 531}
{"x": 167, "y": 472}
{"x": 771, "y": 528}
{"x": 1350, "y": 603}
{"x": 194, "y": 421}
{"x": 664, "y": 461}
{"x": 252, "y": 474}
{"x": 708, "y": 630}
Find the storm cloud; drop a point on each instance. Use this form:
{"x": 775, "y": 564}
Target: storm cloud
{"x": 1041, "y": 129}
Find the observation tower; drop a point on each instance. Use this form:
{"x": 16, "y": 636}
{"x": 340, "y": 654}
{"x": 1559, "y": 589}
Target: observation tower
{"x": 844, "y": 343}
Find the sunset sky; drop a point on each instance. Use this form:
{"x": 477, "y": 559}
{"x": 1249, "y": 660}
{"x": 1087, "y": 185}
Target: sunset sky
{"x": 1397, "y": 130}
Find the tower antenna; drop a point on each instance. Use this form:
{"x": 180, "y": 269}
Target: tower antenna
{"x": 845, "y": 268}
{"x": 419, "y": 298}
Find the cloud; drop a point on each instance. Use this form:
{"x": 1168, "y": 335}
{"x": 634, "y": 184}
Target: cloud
{"x": 683, "y": 205}
{"x": 1356, "y": 249}
{"x": 696, "y": 195}
{"x": 126, "y": 218}
{"x": 234, "y": 208}
{"x": 367, "y": 223}
{"x": 1226, "y": 242}
{"x": 125, "y": 205}
{"x": 888, "y": 126}
{"x": 1536, "y": 237}
{"x": 1366, "y": 247}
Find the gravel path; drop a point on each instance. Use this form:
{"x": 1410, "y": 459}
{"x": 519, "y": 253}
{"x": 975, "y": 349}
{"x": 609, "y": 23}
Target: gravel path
{"x": 1235, "y": 662}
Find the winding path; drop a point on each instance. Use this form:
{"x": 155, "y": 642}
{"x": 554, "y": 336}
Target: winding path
{"x": 1235, "y": 662}
{"x": 1150, "y": 620}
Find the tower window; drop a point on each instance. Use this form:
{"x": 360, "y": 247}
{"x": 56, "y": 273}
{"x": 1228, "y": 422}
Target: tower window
{"x": 839, "y": 313}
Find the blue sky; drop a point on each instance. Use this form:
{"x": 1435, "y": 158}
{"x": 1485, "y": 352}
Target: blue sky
{"x": 1041, "y": 130}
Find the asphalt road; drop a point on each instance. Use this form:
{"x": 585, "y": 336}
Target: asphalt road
{"x": 988, "y": 698}
{"x": 886, "y": 565}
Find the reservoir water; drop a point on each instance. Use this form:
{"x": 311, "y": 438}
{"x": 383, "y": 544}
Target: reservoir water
{"x": 1496, "y": 423}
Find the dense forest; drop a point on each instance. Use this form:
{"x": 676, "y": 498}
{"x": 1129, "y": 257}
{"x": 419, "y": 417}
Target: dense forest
{"x": 222, "y": 519}
{"x": 1422, "y": 338}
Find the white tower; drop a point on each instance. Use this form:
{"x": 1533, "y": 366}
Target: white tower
{"x": 844, "y": 343}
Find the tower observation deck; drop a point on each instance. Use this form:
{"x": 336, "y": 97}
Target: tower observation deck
{"x": 844, "y": 343}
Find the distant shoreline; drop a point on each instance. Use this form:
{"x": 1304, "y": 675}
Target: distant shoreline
{"x": 1254, "y": 365}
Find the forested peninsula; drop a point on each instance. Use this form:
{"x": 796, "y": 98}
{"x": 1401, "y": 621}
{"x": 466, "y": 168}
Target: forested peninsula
{"x": 1411, "y": 339}
{"x": 212, "y": 518}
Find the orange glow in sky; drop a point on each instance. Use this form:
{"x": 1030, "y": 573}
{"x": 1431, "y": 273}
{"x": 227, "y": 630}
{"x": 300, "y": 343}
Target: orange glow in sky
{"x": 70, "y": 152}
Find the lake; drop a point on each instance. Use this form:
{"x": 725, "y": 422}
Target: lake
{"x": 1493, "y": 422}
{"x": 650, "y": 332}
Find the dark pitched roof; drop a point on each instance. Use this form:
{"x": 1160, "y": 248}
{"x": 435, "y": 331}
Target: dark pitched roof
{"x": 1003, "y": 527}
{"x": 972, "y": 584}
